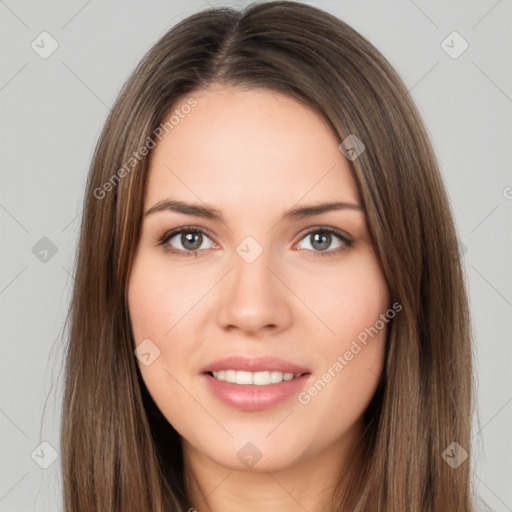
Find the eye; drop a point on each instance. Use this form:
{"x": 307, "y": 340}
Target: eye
{"x": 321, "y": 239}
{"x": 189, "y": 241}
{"x": 186, "y": 241}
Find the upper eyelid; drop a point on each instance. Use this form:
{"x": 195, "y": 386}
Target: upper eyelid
{"x": 173, "y": 232}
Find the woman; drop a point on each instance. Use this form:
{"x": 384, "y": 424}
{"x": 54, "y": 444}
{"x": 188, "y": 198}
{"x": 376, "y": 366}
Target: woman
{"x": 269, "y": 311}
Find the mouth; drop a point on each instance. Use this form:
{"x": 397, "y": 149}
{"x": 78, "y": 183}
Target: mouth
{"x": 254, "y": 384}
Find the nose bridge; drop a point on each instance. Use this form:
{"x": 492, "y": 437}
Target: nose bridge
{"x": 253, "y": 298}
{"x": 252, "y": 281}
{"x": 251, "y": 271}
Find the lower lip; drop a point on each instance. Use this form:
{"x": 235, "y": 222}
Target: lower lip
{"x": 249, "y": 397}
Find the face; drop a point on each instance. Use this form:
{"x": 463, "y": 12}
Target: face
{"x": 262, "y": 318}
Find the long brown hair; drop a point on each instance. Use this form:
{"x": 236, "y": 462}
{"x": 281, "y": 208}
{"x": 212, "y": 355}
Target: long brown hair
{"x": 118, "y": 451}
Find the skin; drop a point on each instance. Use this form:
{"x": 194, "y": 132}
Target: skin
{"x": 253, "y": 154}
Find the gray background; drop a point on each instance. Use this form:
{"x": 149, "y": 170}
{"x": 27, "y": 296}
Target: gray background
{"x": 51, "y": 113}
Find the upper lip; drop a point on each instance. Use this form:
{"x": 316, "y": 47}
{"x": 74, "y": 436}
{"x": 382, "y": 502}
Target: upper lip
{"x": 254, "y": 364}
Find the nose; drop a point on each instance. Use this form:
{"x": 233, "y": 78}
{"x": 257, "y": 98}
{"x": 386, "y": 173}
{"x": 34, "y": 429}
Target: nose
{"x": 254, "y": 298}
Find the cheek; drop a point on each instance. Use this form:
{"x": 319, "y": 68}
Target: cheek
{"x": 344, "y": 385}
{"x": 157, "y": 300}
{"x": 146, "y": 302}
{"x": 159, "y": 297}
{"x": 352, "y": 359}
{"x": 349, "y": 300}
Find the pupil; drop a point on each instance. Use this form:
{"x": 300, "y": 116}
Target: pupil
{"x": 323, "y": 239}
{"x": 188, "y": 238}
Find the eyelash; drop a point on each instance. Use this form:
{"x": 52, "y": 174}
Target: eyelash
{"x": 162, "y": 241}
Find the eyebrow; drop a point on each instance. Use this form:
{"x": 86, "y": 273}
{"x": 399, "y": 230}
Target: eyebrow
{"x": 209, "y": 212}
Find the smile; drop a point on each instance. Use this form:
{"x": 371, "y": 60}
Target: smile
{"x": 255, "y": 378}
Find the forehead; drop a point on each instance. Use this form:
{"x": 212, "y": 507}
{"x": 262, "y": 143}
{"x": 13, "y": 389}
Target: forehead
{"x": 235, "y": 147}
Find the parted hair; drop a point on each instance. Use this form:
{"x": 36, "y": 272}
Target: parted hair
{"x": 118, "y": 452}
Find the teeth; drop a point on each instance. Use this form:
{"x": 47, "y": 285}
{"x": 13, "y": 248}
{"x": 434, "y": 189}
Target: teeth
{"x": 243, "y": 377}
{"x": 261, "y": 378}
{"x": 256, "y": 378}
{"x": 276, "y": 377}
